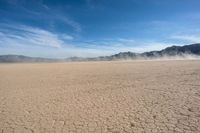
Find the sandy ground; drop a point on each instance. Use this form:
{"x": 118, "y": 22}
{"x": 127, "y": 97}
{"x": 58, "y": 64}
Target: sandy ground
{"x": 121, "y": 96}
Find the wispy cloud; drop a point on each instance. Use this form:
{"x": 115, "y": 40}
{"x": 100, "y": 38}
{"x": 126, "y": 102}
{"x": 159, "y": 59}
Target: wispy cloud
{"x": 68, "y": 21}
{"x": 50, "y": 14}
{"x": 187, "y": 38}
{"x": 66, "y": 37}
{"x": 21, "y": 39}
{"x": 26, "y": 35}
{"x": 32, "y": 41}
{"x": 123, "y": 45}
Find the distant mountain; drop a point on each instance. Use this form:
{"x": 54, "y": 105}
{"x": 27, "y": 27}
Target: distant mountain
{"x": 193, "y": 49}
{"x": 22, "y": 58}
{"x": 181, "y": 51}
{"x": 173, "y": 51}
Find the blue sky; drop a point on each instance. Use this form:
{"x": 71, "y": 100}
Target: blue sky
{"x": 89, "y": 28}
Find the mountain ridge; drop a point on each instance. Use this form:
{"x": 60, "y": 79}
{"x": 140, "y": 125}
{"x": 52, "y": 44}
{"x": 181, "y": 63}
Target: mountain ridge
{"x": 173, "y": 51}
{"x": 181, "y": 51}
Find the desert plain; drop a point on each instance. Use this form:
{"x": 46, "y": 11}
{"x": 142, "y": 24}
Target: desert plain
{"x": 100, "y": 97}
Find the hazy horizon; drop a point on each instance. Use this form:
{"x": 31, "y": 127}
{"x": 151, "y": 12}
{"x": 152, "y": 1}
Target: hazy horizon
{"x": 91, "y": 28}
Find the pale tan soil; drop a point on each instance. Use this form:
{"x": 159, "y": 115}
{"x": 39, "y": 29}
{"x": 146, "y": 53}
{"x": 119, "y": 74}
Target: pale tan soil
{"x": 121, "y": 96}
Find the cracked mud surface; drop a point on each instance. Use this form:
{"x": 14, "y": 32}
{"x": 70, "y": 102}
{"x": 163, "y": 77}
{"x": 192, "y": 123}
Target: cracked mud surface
{"x": 115, "y": 97}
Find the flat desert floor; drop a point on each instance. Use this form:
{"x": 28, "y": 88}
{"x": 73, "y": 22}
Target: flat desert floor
{"x": 117, "y": 97}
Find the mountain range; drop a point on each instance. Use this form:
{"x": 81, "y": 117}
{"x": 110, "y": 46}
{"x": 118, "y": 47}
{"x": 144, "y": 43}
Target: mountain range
{"x": 173, "y": 51}
{"x": 22, "y": 58}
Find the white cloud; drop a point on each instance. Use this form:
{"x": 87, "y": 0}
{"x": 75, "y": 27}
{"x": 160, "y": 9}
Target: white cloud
{"x": 109, "y": 47}
{"x": 20, "y": 39}
{"x": 47, "y": 13}
{"x": 188, "y": 38}
{"x": 67, "y": 37}
{"x": 26, "y": 35}
{"x": 71, "y": 22}
{"x": 124, "y": 40}
{"x": 124, "y": 45}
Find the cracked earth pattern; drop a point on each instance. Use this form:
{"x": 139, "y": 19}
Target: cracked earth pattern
{"x": 101, "y": 97}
